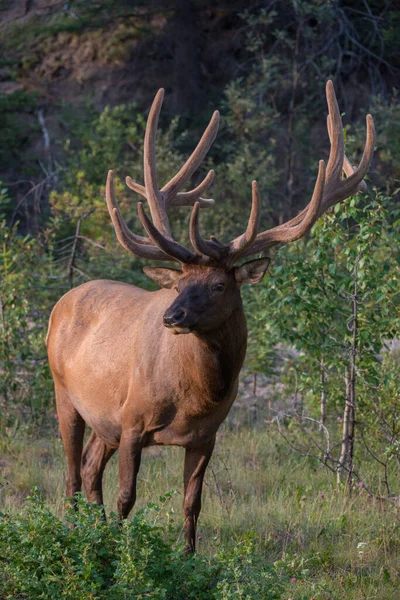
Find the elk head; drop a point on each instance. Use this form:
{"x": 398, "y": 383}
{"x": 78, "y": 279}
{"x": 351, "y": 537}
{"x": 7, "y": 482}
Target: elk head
{"x": 208, "y": 284}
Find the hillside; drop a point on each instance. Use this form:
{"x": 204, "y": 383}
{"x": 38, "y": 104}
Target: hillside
{"x": 64, "y": 62}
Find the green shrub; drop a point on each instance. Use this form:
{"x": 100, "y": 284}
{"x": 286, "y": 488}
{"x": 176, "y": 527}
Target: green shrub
{"x": 25, "y": 301}
{"x": 84, "y": 557}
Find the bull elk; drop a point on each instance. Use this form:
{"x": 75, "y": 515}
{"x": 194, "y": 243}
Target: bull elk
{"x": 116, "y": 364}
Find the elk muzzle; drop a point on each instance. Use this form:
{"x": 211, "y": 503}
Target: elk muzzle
{"x": 174, "y": 318}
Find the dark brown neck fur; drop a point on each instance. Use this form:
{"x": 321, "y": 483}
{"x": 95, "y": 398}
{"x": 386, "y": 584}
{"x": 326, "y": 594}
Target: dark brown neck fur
{"x": 219, "y": 356}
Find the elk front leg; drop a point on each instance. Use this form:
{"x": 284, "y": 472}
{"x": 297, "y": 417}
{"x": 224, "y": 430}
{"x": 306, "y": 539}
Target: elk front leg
{"x": 130, "y": 452}
{"x": 196, "y": 461}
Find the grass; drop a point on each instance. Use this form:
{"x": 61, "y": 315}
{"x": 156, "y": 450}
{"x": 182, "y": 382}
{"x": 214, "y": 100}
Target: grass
{"x": 328, "y": 545}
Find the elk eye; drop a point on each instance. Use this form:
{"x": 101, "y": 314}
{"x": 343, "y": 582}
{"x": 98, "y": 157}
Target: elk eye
{"x": 218, "y": 287}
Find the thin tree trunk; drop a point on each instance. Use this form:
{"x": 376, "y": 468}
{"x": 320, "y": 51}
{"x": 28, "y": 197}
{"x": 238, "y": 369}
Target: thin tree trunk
{"x": 345, "y": 429}
{"x": 346, "y": 460}
{"x": 4, "y": 339}
{"x": 323, "y": 395}
{"x": 71, "y": 262}
{"x": 72, "y": 259}
{"x": 352, "y": 377}
{"x": 2, "y": 317}
{"x": 298, "y": 400}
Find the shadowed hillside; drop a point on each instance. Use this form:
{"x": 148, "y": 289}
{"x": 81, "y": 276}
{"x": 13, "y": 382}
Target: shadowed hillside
{"x": 266, "y": 63}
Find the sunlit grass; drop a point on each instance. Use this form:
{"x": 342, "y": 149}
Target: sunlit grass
{"x": 330, "y": 544}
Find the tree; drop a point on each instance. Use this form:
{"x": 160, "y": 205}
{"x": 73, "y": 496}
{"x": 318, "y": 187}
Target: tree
{"x": 335, "y": 297}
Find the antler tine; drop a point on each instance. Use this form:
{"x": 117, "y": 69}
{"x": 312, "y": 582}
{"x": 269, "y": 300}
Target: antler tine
{"x": 336, "y": 155}
{"x": 187, "y": 198}
{"x": 287, "y": 233}
{"x": 113, "y": 207}
{"x": 230, "y": 253}
{"x": 354, "y": 180}
{"x": 154, "y": 198}
{"x": 329, "y": 188}
{"x": 171, "y": 189}
{"x": 150, "y": 190}
{"x": 312, "y": 210}
{"x": 201, "y": 245}
{"x": 135, "y": 244}
{"x": 136, "y": 187}
{"x": 182, "y": 198}
{"x": 349, "y": 170}
{"x": 159, "y": 230}
{"x": 168, "y": 246}
{"x": 337, "y": 189}
{"x": 239, "y": 245}
{"x": 169, "y": 195}
{"x": 347, "y": 166}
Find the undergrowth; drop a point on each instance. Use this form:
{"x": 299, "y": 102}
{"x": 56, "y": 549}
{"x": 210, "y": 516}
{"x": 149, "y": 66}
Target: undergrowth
{"x": 85, "y": 557}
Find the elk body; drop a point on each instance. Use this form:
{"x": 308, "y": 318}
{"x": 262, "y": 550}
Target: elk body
{"x": 143, "y": 368}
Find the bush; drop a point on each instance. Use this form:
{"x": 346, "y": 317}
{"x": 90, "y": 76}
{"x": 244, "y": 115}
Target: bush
{"x": 25, "y": 297}
{"x": 84, "y": 557}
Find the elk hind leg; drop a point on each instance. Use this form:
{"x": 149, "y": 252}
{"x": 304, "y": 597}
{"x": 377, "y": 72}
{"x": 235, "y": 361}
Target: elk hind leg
{"x": 196, "y": 461}
{"x": 95, "y": 457}
{"x": 72, "y": 429}
{"x": 130, "y": 452}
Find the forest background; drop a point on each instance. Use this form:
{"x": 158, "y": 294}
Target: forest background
{"x": 319, "y": 397}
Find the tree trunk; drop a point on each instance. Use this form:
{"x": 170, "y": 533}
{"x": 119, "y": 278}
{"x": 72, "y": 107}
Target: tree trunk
{"x": 346, "y": 461}
{"x": 345, "y": 430}
{"x": 323, "y": 396}
{"x": 298, "y": 400}
{"x": 352, "y": 382}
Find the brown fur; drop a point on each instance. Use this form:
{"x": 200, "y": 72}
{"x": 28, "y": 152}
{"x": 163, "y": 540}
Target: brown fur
{"x": 118, "y": 369}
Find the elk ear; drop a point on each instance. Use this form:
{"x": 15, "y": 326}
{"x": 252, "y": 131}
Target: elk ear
{"x": 166, "y": 278}
{"x": 253, "y": 271}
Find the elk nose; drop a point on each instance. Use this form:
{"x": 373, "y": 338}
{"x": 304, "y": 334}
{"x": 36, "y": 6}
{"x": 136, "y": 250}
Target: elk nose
{"x": 175, "y": 318}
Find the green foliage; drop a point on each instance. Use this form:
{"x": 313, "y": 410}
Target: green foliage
{"x": 387, "y": 118}
{"x": 25, "y": 385}
{"x": 307, "y": 295}
{"x": 112, "y": 139}
{"x": 308, "y": 303}
{"x": 44, "y": 557}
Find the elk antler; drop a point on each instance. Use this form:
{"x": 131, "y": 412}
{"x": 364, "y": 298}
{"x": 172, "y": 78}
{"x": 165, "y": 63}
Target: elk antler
{"x": 160, "y": 244}
{"x": 329, "y": 190}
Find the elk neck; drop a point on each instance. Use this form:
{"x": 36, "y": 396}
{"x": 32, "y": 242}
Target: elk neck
{"x": 218, "y": 355}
